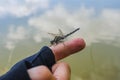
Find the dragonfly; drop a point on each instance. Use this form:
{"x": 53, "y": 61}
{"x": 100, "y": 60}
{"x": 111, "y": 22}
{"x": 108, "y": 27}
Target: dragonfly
{"x": 60, "y": 37}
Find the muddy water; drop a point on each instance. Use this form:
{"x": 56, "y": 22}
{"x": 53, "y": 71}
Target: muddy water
{"x": 98, "y": 61}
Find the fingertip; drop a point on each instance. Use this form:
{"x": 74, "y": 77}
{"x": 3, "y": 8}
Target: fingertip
{"x": 79, "y": 43}
{"x": 75, "y": 45}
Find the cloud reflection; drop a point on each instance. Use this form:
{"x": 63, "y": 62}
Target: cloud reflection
{"x": 22, "y": 8}
{"x": 94, "y": 28}
{"x": 14, "y": 36}
{"x": 104, "y": 26}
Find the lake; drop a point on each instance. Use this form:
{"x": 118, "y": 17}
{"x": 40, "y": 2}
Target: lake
{"x": 98, "y": 61}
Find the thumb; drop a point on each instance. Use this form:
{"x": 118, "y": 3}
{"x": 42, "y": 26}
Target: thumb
{"x": 61, "y": 71}
{"x": 40, "y": 73}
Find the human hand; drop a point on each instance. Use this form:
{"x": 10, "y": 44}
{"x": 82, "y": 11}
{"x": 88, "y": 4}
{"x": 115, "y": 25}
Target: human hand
{"x": 60, "y": 71}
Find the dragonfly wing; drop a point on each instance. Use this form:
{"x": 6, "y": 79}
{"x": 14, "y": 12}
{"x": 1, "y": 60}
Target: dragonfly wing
{"x": 53, "y": 34}
{"x": 60, "y": 32}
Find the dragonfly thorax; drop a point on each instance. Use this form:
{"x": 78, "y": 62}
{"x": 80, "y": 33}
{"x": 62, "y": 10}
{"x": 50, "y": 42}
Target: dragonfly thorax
{"x": 57, "y": 39}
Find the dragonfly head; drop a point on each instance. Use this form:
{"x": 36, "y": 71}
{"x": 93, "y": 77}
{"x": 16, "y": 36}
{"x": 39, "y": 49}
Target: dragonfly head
{"x": 52, "y": 42}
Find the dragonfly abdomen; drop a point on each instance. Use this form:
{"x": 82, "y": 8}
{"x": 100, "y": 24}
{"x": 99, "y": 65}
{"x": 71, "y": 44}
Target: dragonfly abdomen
{"x": 71, "y": 32}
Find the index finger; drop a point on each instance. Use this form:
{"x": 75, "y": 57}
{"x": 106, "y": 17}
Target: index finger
{"x": 67, "y": 48}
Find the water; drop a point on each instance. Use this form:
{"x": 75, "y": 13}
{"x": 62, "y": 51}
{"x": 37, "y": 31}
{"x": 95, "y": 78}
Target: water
{"x": 23, "y": 32}
{"x": 98, "y": 61}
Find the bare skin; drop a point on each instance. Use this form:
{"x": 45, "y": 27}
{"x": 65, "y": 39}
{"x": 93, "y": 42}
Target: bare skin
{"x": 60, "y": 71}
